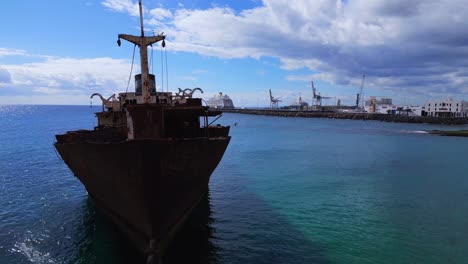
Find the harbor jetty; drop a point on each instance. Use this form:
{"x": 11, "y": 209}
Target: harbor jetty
{"x": 401, "y": 118}
{"x": 455, "y": 133}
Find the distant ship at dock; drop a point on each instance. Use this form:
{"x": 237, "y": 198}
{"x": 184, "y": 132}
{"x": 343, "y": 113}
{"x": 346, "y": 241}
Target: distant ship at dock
{"x": 220, "y": 101}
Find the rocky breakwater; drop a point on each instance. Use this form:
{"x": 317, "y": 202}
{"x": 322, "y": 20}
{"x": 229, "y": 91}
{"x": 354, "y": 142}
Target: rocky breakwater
{"x": 454, "y": 133}
{"x": 403, "y": 118}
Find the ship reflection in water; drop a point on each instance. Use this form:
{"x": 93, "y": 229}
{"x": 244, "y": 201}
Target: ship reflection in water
{"x": 193, "y": 244}
{"x": 101, "y": 242}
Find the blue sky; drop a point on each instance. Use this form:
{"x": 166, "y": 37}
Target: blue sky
{"x": 60, "y": 52}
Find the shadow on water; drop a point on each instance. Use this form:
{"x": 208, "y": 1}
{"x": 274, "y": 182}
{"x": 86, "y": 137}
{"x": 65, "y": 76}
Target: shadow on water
{"x": 266, "y": 237}
{"x": 99, "y": 240}
{"x": 252, "y": 231}
{"x": 262, "y": 238}
{"x": 193, "y": 244}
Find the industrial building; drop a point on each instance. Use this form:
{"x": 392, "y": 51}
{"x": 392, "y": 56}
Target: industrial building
{"x": 380, "y": 106}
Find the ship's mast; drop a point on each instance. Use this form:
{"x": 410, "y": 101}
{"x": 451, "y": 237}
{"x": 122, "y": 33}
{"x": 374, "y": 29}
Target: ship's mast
{"x": 143, "y": 42}
{"x": 141, "y": 18}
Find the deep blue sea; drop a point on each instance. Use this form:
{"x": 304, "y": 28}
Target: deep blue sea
{"x": 288, "y": 190}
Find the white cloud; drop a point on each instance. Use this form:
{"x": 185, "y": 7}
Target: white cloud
{"x": 160, "y": 13}
{"x": 70, "y": 71}
{"x": 61, "y": 77}
{"x": 294, "y": 64}
{"x": 402, "y": 46}
{"x": 47, "y": 90}
{"x": 127, "y": 6}
{"x": 11, "y": 52}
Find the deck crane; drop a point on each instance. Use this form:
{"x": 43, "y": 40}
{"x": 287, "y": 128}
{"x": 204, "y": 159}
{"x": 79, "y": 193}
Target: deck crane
{"x": 317, "y": 97}
{"x": 274, "y": 101}
{"x": 359, "y": 95}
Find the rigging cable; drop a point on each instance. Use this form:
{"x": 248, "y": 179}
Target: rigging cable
{"x": 167, "y": 76}
{"x": 131, "y": 69}
{"x": 162, "y": 70}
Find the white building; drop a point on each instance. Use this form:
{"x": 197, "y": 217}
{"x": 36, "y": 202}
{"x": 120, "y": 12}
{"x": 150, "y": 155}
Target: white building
{"x": 446, "y": 108}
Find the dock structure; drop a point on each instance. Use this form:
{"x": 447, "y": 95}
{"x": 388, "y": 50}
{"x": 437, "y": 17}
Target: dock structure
{"x": 401, "y": 118}
{"x": 274, "y": 101}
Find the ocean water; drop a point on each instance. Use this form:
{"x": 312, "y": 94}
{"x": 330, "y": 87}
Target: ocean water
{"x": 288, "y": 190}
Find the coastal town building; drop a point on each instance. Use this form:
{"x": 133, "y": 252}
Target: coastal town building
{"x": 411, "y": 110}
{"x": 380, "y": 105}
{"x": 436, "y": 108}
{"x": 446, "y": 108}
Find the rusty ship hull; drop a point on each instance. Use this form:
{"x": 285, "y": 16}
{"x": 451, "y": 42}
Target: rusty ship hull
{"x": 146, "y": 187}
{"x": 148, "y": 161}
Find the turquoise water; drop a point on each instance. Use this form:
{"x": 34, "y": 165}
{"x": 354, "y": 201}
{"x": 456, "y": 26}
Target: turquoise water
{"x": 288, "y": 190}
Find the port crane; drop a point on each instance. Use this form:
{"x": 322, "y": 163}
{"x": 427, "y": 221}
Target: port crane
{"x": 317, "y": 97}
{"x": 359, "y": 95}
{"x": 274, "y": 101}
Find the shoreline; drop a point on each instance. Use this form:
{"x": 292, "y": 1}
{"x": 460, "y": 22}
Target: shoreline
{"x": 349, "y": 115}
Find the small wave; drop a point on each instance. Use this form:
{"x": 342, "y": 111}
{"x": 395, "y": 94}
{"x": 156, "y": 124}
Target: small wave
{"x": 415, "y": 131}
{"x": 32, "y": 254}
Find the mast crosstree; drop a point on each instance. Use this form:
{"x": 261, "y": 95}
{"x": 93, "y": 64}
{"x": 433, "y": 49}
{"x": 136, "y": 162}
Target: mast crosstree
{"x": 143, "y": 42}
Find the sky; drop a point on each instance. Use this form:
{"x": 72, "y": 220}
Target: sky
{"x": 60, "y": 52}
